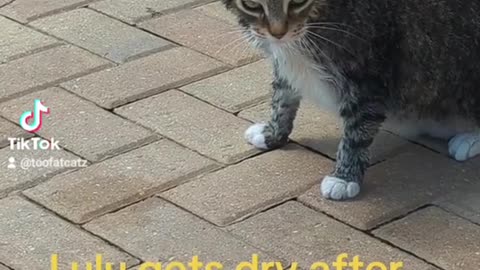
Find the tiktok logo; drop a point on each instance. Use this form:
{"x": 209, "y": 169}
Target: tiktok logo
{"x": 37, "y": 115}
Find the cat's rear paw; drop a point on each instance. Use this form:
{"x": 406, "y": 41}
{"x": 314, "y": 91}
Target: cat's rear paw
{"x": 338, "y": 189}
{"x": 255, "y": 136}
{"x": 464, "y": 146}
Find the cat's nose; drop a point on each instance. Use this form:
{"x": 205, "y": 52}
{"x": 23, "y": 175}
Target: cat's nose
{"x": 278, "y": 29}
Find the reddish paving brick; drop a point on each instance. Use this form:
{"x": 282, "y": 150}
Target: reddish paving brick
{"x": 17, "y": 40}
{"x": 182, "y": 27}
{"x": 236, "y": 89}
{"x": 27, "y": 176}
{"x": 322, "y": 131}
{"x": 395, "y": 187}
{"x": 100, "y": 34}
{"x": 46, "y": 68}
{"x": 9, "y": 130}
{"x": 22, "y": 10}
{"x": 29, "y": 236}
{"x": 193, "y": 123}
{"x": 135, "y": 11}
{"x": 244, "y": 189}
{"x": 298, "y": 234}
{"x": 437, "y": 236}
{"x": 144, "y": 77}
{"x": 124, "y": 179}
{"x": 79, "y": 125}
{"x": 154, "y": 231}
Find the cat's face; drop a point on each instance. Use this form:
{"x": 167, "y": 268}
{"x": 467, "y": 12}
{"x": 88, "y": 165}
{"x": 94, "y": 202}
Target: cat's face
{"x": 275, "y": 21}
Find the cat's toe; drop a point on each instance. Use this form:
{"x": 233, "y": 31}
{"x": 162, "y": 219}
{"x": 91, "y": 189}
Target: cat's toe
{"x": 338, "y": 189}
{"x": 255, "y": 136}
{"x": 464, "y": 146}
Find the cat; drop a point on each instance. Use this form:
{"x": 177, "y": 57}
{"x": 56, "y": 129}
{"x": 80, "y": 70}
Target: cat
{"x": 408, "y": 64}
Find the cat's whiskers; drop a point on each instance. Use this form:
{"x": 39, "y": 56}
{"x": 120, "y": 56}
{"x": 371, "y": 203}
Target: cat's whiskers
{"x": 335, "y": 29}
{"x": 232, "y": 44}
{"x": 329, "y": 40}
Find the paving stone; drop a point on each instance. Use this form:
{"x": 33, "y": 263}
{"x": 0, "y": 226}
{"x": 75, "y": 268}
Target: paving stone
{"x": 9, "y": 130}
{"x": 296, "y": 233}
{"x": 195, "y": 124}
{"x": 465, "y": 203}
{"x": 135, "y": 11}
{"x": 182, "y": 27}
{"x": 252, "y": 186}
{"x": 144, "y": 77}
{"x": 85, "y": 194}
{"x": 100, "y": 34}
{"x": 1, "y": 266}
{"x": 217, "y": 10}
{"x": 29, "y": 236}
{"x": 435, "y": 235}
{"x": 46, "y": 68}
{"x": 17, "y": 40}
{"x": 20, "y": 178}
{"x": 321, "y": 131}
{"x": 3, "y": 3}
{"x": 79, "y": 125}
{"x": 395, "y": 187}
{"x": 236, "y": 89}
{"x": 154, "y": 230}
{"x": 21, "y": 10}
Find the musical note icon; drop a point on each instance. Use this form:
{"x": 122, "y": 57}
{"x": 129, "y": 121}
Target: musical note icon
{"x": 37, "y": 115}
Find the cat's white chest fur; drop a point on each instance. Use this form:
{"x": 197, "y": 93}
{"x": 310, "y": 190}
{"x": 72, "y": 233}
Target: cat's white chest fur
{"x": 307, "y": 77}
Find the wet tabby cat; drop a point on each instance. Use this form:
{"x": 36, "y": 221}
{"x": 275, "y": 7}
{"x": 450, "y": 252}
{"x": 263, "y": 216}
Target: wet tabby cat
{"x": 409, "y": 63}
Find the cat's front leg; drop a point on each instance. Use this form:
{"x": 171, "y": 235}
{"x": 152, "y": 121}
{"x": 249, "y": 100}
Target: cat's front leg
{"x": 274, "y": 134}
{"x": 362, "y": 120}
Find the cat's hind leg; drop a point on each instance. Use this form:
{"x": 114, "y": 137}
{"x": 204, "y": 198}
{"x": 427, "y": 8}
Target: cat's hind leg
{"x": 464, "y": 146}
{"x": 285, "y": 103}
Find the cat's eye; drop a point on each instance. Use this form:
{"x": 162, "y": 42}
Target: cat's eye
{"x": 252, "y": 5}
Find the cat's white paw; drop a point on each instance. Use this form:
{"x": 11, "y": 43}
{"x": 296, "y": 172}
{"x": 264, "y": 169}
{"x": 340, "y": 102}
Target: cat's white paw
{"x": 254, "y": 136}
{"x": 464, "y": 146}
{"x": 338, "y": 189}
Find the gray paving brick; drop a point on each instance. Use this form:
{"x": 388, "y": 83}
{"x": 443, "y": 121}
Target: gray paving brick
{"x": 395, "y": 187}
{"x": 79, "y": 125}
{"x": 437, "y": 236}
{"x": 168, "y": 233}
{"x": 195, "y": 124}
{"x": 217, "y": 10}
{"x": 46, "y": 68}
{"x": 144, "y": 77}
{"x": 1, "y": 266}
{"x": 322, "y": 131}
{"x": 85, "y": 194}
{"x": 182, "y": 27}
{"x": 100, "y": 34}
{"x": 9, "y": 130}
{"x": 465, "y": 203}
{"x": 134, "y": 11}
{"x": 22, "y": 10}
{"x": 17, "y": 40}
{"x": 5, "y": 2}
{"x": 251, "y": 186}
{"x": 236, "y": 89}
{"x": 20, "y": 178}
{"x": 295, "y": 233}
{"x": 30, "y": 236}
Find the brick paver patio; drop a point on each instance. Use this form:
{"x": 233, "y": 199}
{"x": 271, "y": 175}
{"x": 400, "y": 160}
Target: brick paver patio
{"x": 155, "y": 95}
